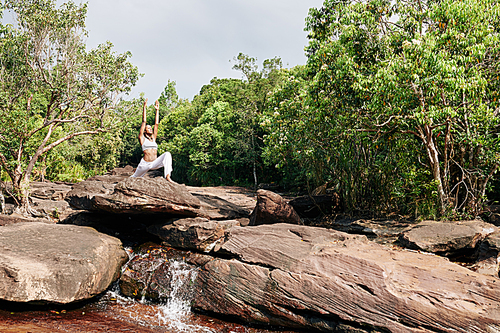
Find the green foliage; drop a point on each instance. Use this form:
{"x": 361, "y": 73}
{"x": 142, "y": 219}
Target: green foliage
{"x": 53, "y": 90}
{"x": 397, "y": 106}
{"x": 217, "y": 139}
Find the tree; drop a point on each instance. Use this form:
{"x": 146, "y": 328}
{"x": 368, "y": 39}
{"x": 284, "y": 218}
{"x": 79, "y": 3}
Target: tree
{"x": 51, "y": 88}
{"x": 413, "y": 85}
{"x": 168, "y": 99}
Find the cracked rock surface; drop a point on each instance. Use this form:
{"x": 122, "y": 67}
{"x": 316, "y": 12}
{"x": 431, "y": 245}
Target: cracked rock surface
{"x": 326, "y": 280}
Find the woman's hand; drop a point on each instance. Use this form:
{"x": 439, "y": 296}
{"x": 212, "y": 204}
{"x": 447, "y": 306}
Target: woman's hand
{"x": 157, "y": 105}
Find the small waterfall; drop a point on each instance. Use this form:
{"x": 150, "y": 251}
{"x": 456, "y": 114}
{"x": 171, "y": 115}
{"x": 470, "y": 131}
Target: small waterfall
{"x": 178, "y": 304}
{"x": 173, "y": 313}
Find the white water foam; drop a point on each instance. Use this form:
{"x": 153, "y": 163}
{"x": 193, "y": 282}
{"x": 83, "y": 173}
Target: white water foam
{"x": 172, "y": 314}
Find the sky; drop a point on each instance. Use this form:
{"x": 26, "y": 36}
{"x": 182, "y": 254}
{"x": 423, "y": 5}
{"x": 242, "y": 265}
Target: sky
{"x": 192, "y": 41}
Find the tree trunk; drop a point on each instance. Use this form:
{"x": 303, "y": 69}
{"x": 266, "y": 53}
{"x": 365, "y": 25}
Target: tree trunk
{"x": 433, "y": 155}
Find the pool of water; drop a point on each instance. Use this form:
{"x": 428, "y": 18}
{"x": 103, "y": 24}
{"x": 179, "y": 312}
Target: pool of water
{"x": 113, "y": 312}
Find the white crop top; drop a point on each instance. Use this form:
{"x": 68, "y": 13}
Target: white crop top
{"x": 149, "y": 144}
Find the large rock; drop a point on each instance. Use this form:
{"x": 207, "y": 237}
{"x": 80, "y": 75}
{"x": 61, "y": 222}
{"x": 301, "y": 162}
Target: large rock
{"x": 148, "y": 195}
{"x": 119, "y": 194}
{"x": 53, "y": 263}
{"x": 49, "y": 191}
{"x": 446, "y": 237}
{"x": 155, "y": 271}
{"x": 321, "y": 279}
{"x": 272, "y": 208}
{"x": 198, "y": 233}
{"x": 238, "y": 196}
{"x": 216, "y": 208}
{"x": 488, "y": 261}
{"x": 80, "y": 197}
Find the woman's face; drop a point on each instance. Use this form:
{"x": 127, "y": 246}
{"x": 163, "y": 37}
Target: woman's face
{"x": 149, "y": 129}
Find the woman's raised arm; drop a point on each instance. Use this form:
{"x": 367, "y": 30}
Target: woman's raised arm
{"x": 157, "y": 119}
{"x": 143, "y": 125}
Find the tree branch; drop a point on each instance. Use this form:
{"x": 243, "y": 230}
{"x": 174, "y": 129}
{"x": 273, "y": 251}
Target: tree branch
{"x": 61, "y": 140}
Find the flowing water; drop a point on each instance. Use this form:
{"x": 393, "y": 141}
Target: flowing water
{"x": 113, "y": 312}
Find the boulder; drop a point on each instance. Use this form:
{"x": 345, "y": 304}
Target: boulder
{"x": 314, "y": 278}
{"x": 445, "y": 237}
{"x": 272, "y": 208}
{"x": 58, "y": 210}
{"x": 148, "y": 195}
{"x": 489, "y": 256}
{"x": 198, "y": 233}
{"x": 312, "y": 206}
{"x": 53, "y": 263}
{"x": 119, "y": 194}
{"x": 80, "y": 197}
{"x": 49, "y": 191}
{"x": 152, "y": 272}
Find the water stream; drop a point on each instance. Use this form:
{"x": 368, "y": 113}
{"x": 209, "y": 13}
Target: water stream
{"x": 113, "y": 312}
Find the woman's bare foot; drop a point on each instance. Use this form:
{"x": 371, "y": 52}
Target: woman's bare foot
{"x": 169, "y": 179}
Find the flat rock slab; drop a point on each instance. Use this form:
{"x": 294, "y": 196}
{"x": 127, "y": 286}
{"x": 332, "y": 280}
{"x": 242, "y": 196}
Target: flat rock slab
{"x": 80, "y": 197}
{"x": 198, "y": 233}
{"x": 119, "y": 194}
{"x": 446, "y": 237}
{"x": 53, "y": 263}
{"x": 148, "y": 195}
{"x": 238, "y": 196}
{"x": 389, "y": 229}
{"x": 327, "y": 280}
{"x": 49, "y": 190}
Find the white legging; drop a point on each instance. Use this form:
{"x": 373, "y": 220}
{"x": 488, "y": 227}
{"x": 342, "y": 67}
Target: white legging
{"x": 164, "y": 160}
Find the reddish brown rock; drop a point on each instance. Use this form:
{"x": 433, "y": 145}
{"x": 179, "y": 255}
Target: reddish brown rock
{"x": 446, "y": 237}
{"x": 198, "y": 233}
{"x": 488, "y": 261}
{"x": 272, "y": 208}
{"x": 154, "y": 269}
{"x": 148, "y": 195}
{"x": 53, "y": 263}
{"x": 321, "y": 279}
{"x": 120, "y": 194}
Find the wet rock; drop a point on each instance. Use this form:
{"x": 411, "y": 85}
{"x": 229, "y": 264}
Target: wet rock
{"x": 445, "y": 237}
{"x": 314, "y": 278}
{"x": 311, "y": 206}
{"x": 156, "y": 272}
{"x": 198, "y": 234}
{"x": 51, "y": 263}
{"x": 272, "y": 208}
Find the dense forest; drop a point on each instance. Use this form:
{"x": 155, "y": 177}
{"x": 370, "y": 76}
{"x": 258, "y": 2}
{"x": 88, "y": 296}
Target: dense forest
{"x": 396, "y": 109}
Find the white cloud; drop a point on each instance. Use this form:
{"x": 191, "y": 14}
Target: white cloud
{"x": 191, "y": 41}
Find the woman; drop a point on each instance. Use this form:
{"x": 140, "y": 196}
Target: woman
{"x": 147, "y": 139}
